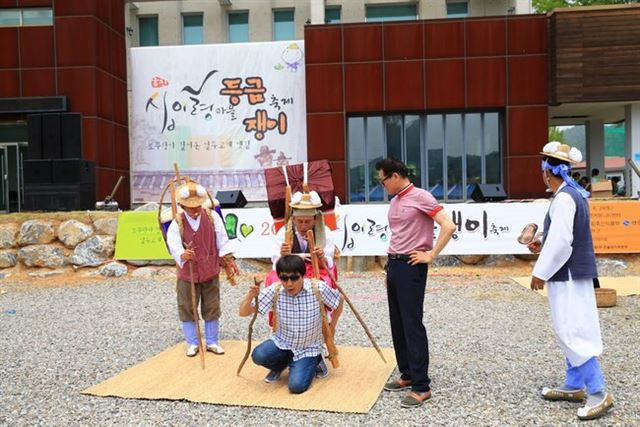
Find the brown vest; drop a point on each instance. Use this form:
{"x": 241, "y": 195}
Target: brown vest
{"x": 207, "y": 262}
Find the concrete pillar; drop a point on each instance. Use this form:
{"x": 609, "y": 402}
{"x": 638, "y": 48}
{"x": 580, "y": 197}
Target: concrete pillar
{"x": 317, "y": 12}
{"x": 594, "y": 130}
{"x": 632, "y": 148}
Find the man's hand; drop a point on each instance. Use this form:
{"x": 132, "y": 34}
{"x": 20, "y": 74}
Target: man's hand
{"x": 230, "y": 266}
{"x": 319, "y": 252}
{"x": 535, "y": 246}
{"x": 188, "y": 255}
{"x": 253, "y": 291}
{"x": 420, "y": 257}
{"x": 537, "y": 284}
{"x": 285, "y": 249}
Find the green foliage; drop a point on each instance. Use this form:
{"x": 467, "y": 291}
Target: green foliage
{"x": 545, "y": 6}
{"x": 556, "y": 134}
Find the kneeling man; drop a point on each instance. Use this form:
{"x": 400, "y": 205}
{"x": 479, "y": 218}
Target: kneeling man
{"x": 297, "y": 339}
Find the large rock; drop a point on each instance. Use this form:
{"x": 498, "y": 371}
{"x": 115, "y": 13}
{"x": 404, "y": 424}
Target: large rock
{"x": 8, "y": 258}
{"x": 151, "y": 206}
{"x": 114, "y": 269}
{"x": 93, "y": 252}
{"x": 471, "y": 259}
{"x": 36, "y": 232}
{"x": 72, "y": 232}
{"x": 42, "y": 256}
{"x": 106, "y": 226}
{"x": 145, "y": 272}
{"x": 8, "y": 235}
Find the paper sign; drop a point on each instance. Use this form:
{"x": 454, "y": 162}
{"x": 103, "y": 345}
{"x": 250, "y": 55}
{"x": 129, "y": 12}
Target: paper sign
{"x": 139, "y": 237}
{"x": 615, "y": 226}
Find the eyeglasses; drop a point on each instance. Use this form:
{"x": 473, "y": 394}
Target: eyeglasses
{"x": 381, "y": 181}
{"x": 292, "y": 278}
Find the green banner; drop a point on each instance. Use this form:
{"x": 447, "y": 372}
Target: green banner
{"x": 139, "y": 237}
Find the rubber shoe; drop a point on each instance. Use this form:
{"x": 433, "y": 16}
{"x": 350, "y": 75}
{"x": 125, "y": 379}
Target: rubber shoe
{"x": 322, "y": 370}
{"x": 192, "y": 350}
{"x": 398, "y": 385}
{"x": 215, "y": 349}
{"x": 557, "y": 394}
{"x": 272, "y": 377}
{"x": 596, "y": 411}
{"x": 415, "y": 399}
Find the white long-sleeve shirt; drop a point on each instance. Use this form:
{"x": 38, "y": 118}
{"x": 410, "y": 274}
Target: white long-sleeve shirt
{"x": 329, "y": 247}
{"x": 557, "y": 246}
{"x": 174, "y": 241}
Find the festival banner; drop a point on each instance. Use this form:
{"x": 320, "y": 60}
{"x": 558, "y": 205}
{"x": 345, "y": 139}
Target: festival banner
{"x": 363, "y": 230}
{"x": 223, "y": 113}
{"x": 615, "y": 226}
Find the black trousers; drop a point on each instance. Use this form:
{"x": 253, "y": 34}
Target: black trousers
{"x": 405, "y": 294}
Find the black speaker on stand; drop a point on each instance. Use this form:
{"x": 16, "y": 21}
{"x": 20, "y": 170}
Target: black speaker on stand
{"x": 488, "y": 193}
{"x": 231, "y": 199}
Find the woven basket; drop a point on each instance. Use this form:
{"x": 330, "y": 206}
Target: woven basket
{"x": 605, "y": 297}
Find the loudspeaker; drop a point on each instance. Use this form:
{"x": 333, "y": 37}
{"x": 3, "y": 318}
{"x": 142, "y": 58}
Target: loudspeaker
{"x": 73, "y": 171}
{"x": 51, "y": 136}
{"x": 231, "y": 199}
{"x": 59, "y": 197}
{"x": 488, "y": 193}
{"x": 37, "y": 171}
{"x": 34, "y": 136}
{"x": 71, "y": 135}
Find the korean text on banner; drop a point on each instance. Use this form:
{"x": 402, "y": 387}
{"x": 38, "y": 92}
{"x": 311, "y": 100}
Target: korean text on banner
{"x": 139, "y": 237}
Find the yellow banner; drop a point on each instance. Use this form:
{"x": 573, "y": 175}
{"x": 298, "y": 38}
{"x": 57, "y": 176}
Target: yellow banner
{"x": 139, "y": 237}
{"x": 615, "y": 226}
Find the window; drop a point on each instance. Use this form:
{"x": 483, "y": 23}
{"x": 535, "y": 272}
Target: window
{"x": 392, "y": 13}
{"x": 37, "y": 17}
{"x": 445, "y": 153}
{"x": 283, "y": 25}
{"x": 26, "y": 17}
{"x": 457, "y": 9}
{"x": 332, "y": 15}
{"x": 148, "y": 30}
{"x": 192, "y": 31}
{"x": 239, "y": 27}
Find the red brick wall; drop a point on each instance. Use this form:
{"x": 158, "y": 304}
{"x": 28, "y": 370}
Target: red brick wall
{"x": 82, "y": 57}
{"x": 497, "y": 63}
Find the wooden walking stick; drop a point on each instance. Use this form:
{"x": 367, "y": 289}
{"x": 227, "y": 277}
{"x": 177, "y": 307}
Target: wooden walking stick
{"x": 355, "y": 312}
{"x": 250, "y": 332}
{"x": 326, "y": 329}
{"x": 194, "y": 307}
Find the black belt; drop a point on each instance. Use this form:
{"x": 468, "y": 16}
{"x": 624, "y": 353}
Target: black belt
{"x": 400, "y": 257}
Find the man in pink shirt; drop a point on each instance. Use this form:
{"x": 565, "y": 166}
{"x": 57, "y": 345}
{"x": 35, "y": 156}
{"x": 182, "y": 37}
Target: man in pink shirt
{"x": 412, "y": 213}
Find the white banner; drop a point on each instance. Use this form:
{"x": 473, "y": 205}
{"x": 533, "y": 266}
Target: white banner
{"x": 363, "y": 230}
{"x": 222, "y": 112}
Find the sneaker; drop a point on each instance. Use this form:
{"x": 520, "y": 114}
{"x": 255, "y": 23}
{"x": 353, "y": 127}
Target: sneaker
{"x": 556, "y": 394}
{"x": 321, "y": 369}
{"x": 215, "y": 349}
{"x": 192, "y": 350}
{"x": 398, "y": 385}
{"x": 272, "y": 377}
{"x": 592, "y": 412}
{"x": 415, "y": 399}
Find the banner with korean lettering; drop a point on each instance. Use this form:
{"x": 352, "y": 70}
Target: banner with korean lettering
{"x": 223, "y": 112}
{"x": 363, "y": 230}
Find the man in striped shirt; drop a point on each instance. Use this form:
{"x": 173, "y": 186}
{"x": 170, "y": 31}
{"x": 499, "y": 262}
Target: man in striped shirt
{"x": 297, "y": 341}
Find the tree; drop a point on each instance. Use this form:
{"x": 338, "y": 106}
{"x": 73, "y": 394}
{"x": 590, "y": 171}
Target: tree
{"x": 545, "y": 6}
{"x": 556, "y": 134}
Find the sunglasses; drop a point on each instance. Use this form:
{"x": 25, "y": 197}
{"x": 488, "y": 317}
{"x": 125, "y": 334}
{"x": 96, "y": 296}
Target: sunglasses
{"x": 292, "y": 278}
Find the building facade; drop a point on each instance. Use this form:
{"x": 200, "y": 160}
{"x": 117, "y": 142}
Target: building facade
{"x": 171, "y": 22}
{"x": 63, "y": 104}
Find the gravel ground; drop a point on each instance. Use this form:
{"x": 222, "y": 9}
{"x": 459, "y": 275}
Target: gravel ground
{"x": 492, "y": 349}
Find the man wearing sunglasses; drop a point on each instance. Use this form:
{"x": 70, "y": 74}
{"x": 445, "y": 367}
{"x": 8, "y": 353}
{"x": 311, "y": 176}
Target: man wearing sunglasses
{"x": 297, "y": 339}
{"x": 412, "y": 213}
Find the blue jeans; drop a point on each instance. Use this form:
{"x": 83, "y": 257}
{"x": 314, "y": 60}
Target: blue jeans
{"x": 588, "y": 374}
{"x": 301, "y": 372}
